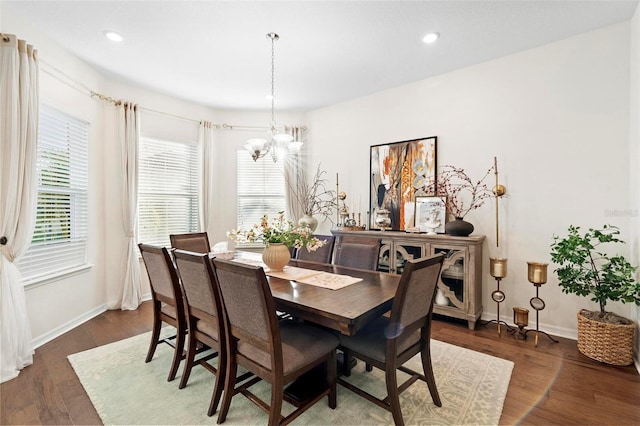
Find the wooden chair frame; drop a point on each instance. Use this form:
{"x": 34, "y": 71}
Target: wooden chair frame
{"x": 187, "y": 241}
{"x": 159, "y": 316}
{"x": 393, "y": 360}
{"x": 273, "y": 345}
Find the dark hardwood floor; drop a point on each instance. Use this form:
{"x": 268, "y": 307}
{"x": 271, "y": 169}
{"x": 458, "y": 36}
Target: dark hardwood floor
{"x": 551, "y": 384}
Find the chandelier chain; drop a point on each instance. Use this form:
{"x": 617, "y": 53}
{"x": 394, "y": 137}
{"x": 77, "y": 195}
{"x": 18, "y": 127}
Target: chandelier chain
{"x": 273, "y": 79}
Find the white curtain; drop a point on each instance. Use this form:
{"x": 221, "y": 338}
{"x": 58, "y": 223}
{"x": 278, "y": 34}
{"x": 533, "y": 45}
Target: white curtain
{"x": 205, "y": 140}
{"x": 294, "y": 170}
{"x": 18, "y": 192}
{"x": 129, "y": 135}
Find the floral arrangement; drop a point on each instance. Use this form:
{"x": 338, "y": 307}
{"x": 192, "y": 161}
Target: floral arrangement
{"x": 463, "y": 194}
{"x": 314, "y": 198}
{"x": 279, "y": 230}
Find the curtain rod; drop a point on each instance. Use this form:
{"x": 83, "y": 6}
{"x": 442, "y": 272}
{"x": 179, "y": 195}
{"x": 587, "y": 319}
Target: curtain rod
{"x": 73, "y": 83}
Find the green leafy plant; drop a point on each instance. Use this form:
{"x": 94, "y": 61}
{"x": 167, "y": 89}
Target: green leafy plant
{"x": 585, "y": 269}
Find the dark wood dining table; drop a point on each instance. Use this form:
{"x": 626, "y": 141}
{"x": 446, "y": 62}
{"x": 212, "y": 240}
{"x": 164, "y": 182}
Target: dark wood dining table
{"x": 346, "y": 310}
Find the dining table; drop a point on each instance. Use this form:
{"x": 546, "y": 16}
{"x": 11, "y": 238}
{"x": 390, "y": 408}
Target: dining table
{"x": 346, "y": 309}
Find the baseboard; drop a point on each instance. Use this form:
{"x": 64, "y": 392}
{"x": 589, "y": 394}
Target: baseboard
{"x": 70, "y": 325}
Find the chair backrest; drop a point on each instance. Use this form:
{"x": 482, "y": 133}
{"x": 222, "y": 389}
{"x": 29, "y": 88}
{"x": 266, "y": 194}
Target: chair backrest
{"x": 357, "y": 252}
{"x": 197, "y": 242}
{"x": 198, "y": 283}
{"x": 163, "y": 277}
{"x": 415, "y": 295}
{"x": 322, "y": 254}
{"x": 250, "y": 309}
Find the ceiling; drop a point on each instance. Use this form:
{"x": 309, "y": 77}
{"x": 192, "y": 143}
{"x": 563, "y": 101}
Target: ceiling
{"x": 216, "y": 53}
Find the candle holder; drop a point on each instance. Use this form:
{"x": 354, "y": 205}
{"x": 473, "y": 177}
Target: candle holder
{"x": 521, "y": 319}
{"x": 537, "y": 275}
{"x": 498, "y": 270}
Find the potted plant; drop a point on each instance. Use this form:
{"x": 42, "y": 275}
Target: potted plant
{"x": 314, "y": 198}
{"x": 586, "y": 269}
{"x": 279, "y": 235}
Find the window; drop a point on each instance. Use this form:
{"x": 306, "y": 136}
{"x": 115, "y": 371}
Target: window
{"x": 167, "y": 190}
{"x": 60, "y": 236}
{"x": 261, "y": 189}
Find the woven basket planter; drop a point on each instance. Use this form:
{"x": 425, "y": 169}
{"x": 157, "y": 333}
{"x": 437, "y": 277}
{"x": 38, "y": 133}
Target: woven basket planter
{"x": 608, "y": 343}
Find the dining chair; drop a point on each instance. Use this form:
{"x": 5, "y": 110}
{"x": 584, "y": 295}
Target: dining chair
{"x": 389, "y": 342}
{"x": 167, "y": 301}
{"x": 197, "y": 242}
{"x": 357, "y": 252}
{"x": 275, "y": 351}
{"x": 203, "y": 313}
{"x": 321, "y": 254}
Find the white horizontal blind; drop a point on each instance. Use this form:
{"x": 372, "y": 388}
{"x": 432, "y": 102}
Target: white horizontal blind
{"x": 167, "y": 190}
{"x": 261, "y": 189}
{"x": 59, "y": 241}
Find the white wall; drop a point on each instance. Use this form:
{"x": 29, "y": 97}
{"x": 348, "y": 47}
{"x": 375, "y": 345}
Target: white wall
{"x": 557, "y": 118}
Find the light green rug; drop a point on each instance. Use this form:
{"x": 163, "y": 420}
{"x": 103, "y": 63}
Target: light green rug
{"x": 125, "y": 390}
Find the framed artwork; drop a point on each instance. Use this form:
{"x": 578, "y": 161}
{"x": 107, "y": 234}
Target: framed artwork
{"x": 431, "y": 214}
{"x": 400, "y": 171}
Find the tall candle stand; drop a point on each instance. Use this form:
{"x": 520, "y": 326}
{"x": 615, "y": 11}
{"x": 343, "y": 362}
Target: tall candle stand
{"x": 537, "y": 275}
{"x": 498, "y": 270}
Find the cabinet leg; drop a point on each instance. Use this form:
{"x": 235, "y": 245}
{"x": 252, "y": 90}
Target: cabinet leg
{"x": 472, "y": 325}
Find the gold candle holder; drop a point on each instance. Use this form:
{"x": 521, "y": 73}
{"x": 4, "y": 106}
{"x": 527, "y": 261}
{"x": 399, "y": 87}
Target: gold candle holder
{"x": 498, "y": 270}
{"x": 521, "y": 319}
{"x": 537, "y": 275}
{"x": 498, "y": 267}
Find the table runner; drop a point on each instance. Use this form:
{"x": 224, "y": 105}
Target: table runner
{"x": 306, "y": 276}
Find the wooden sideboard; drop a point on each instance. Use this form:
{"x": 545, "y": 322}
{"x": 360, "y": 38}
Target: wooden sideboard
{"x": 460, "y": 282}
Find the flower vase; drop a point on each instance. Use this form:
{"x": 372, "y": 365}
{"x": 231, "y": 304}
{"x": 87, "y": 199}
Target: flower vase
{"x": 310, "y": 221}
{"x": 276, "y": 256}
{"x": 458, "y": 227}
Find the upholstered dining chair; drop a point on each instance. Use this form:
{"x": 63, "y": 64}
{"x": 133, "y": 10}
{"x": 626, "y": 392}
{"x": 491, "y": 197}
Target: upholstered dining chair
{"x": 204, "y": 318}
{"x": 322, "y": 254}
{"x": 275, "y": 351}
{"x": 197, "y": 242}
{"x": 357, "y": 252}
{"x": 167, "y": 301}
{"x": 389, "y": 342}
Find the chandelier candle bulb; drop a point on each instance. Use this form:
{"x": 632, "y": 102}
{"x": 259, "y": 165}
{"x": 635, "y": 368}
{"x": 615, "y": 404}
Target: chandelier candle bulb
{"x": 498, "y": 267}
{"x": 537, "y": 272}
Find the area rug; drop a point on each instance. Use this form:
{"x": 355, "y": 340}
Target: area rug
{"x": 126, "y": 390}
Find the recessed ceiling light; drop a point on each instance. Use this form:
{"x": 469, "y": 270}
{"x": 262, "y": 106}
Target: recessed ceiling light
{"x": 431, "y": 37}
{"x": 113, "y": 36}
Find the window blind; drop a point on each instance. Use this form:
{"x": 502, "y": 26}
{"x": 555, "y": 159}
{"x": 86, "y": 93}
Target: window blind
{"x": 261, "y": 189}
{"x": 60, "y": 237}
{"x": 167, "y": 190}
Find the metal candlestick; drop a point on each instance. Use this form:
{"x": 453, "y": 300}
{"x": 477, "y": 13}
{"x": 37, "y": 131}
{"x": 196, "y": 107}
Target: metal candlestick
{"x": 537, "y": 275}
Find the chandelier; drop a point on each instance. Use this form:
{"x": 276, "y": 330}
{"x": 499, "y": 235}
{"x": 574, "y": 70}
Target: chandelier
{"x": 279, "y": 143}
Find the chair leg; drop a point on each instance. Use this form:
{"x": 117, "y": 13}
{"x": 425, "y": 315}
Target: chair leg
{"x": 191, "y": 355}
{"x": 332, "y": 367}
{"x": 347, "y": 359}
{"x": 155, "y": 334}
{"x": 177, "y": 354}
{"x": 219, "y": 384}
{"x": 229, "y": 386}
{"x": 393, "y": 395}
{"x": 427, "y": 368}
{"x": 277, "y": 393}
{"x": 368, "y": 367}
